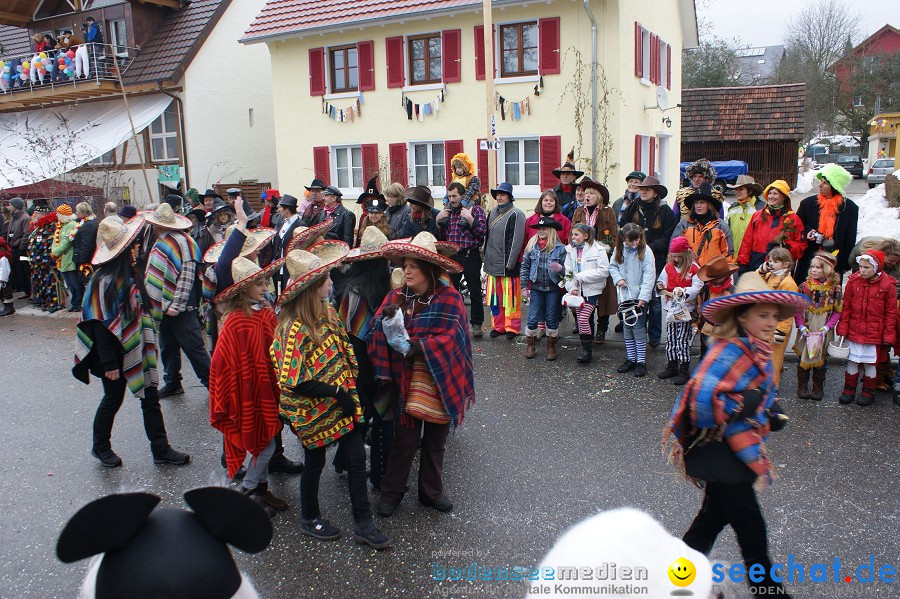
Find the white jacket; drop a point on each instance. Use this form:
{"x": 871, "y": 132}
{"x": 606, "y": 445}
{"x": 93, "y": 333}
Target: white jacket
{"x": 590, "y": 278}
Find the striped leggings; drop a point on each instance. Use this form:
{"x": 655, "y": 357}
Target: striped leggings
{"x": 679, "y": 336}
{"x": 584, "y": 313}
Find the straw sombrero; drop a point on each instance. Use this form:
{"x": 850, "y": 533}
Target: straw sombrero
{"x": 256, "y": 239}
{"x": 166, "y": 218}
{"x": 421, "y": 247}
{"x": 750, "y": 289}
{"x": 369, "y": 246}
{"x": 244, "y": 272}
{"x": 306, "y": 236}
{"x": 307, "y": 267}
{"x": 114, "y": 235}
{"x": 444, "y": 248}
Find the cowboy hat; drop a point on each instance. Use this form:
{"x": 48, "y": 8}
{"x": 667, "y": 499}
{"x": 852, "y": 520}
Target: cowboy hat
{"x": 317, "y": 184}
{"x": 568, "y": 167}
{"x": 600, "y": 187}
{"x": 420, "y": 194}
{"x": 547, "y": 222}
{"x": 369, "y": 245}
{"x": 254, "y": 240}
{"x": 245, "y": 272}
{"x": 750, "y": 289}
{"x": 198, "y": 211}
{"x": 370, "y": 192}
{"x": 504, "y": 188}
{"x": 166, "y": 218}
{"x": 653, "y": 183}
{"x": 209, "y": 193}
{"x": 421, "y": 247}
{"x": 306, "y": 267}
{"x": 303, "y": 237}
{"x": 716, "y": 268}
{"x": 704, "y": 192}
{"x": 749, "y": 182}
{"x": 113, "y": 236}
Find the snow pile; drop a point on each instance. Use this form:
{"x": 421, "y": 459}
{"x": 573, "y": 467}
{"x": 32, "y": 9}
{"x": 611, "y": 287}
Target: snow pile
{"x": 843, "y": 141}
{"x": 806, "y": 180}
{"x": 876, "y": 217}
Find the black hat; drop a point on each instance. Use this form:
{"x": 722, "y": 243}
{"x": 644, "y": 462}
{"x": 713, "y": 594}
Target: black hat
{"x": 331, "y": 190}
{"x": 218, "y": 206}
{"x": 288, "y": 200}
{"x": 175, "y": 201}
{"x": 233, "y": 191}
{"x": 376, "y": 204}
{"x": 568, "y": 167}
{"x": 167, "y": 552}
{"x": 209, "y": 193}
{"x": 547, "y": 221}
{"x": 420, "y": 194}
{"x": 704, "y": 192}
{"x": 371, "y": 191}
{"x": 316, "y": 184}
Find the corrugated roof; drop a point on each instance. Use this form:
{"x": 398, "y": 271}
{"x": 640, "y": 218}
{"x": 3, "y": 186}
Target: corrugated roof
{"x": 743, "y": 113}
{"x": 14, "y": 40}
{"x": 281, "y": 17}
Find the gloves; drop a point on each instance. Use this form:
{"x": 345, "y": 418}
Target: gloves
{"x": 804, "y": 331}
{"x": 824, "y": 329}
{"x": 780, "y": 337}
{"x": 777, "y": 419}
{"x": 556, "y": 267}
{"x": 345, "y": 402}
{"x": 752, "y": 398}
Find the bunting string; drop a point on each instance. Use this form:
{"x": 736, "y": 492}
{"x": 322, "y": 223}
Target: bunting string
{"x": 517, "y": 110}
{"x": 343, "y": 115}
{"x": 418, "y": 111}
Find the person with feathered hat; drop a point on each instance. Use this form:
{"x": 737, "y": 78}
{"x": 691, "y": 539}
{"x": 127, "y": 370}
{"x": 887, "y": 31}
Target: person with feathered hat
{"x": 699, "y": 172}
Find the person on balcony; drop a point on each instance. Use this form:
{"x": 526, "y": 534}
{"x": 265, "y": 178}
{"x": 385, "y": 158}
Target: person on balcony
{"x": 93, "y": 35}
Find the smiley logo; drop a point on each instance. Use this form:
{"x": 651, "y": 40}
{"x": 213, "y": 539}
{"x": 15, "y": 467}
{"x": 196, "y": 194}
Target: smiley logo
{"x": 682, "y": 572}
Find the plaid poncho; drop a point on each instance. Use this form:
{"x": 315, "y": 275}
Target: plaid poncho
{"x": 708, "y": 404}
{"x": 442, "y": 329}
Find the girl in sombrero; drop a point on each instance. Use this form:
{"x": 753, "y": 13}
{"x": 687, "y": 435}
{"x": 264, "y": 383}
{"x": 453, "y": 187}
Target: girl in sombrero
{"x": 317, "y": 373}
{"x": 719, "y": 425}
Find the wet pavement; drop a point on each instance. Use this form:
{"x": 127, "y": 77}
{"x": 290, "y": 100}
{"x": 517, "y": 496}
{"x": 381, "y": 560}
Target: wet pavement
{"x": 546, "y": 445}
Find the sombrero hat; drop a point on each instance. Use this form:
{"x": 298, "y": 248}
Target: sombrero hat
{"x": 245, "y": 272}
{"x": 444, "y": 248}
{"x": 306, "y": 236}
{"x": 369, "y": 246}
{"x": 307, "y": 267}
{"x": 114, "y": 235}
{"x": 256, "y": 239}
{"x": 421, "y": 247}
{"x": 166, "y": 218}
{"x": 716, "y": 268}
{"x": 750, "y": 289}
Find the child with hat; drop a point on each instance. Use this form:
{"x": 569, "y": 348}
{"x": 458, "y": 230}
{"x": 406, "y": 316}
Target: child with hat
{"x": 717, "y": 276}
{"x": 868, "y": 322}
{"x": 679, "y": 285}
{"x": 816, "y": 323}
{"x": 541, "y": 277}
{"x": 719, "y": 425}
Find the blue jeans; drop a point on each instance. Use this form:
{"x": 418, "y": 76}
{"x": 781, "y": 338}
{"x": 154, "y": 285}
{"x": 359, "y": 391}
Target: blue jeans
{"x": 75, "y": 282}
{"x": 654, "y": 318}
{"x": 544, "y": 306}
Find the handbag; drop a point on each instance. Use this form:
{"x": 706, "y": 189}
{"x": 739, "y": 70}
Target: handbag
{"x": 423, "y": 400}
{"x": 573, "y": 301}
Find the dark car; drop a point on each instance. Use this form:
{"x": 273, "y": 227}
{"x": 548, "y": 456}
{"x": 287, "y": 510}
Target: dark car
{"x": 852, "y": 163}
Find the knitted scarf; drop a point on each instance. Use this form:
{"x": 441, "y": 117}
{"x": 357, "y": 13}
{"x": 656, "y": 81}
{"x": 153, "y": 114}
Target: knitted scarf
{"x": 775, "y": 211}
{"x": 828, "y": 213}
{"x": 77, "y": 226}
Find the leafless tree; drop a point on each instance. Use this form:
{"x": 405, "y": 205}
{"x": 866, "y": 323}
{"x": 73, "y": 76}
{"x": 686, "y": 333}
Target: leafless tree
{"x": 819, "y": 31}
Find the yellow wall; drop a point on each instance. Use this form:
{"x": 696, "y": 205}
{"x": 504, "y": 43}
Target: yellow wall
{"x": 300, "y": 124}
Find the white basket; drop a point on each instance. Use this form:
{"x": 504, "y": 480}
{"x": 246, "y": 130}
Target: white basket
{"x": 837, "y": 349}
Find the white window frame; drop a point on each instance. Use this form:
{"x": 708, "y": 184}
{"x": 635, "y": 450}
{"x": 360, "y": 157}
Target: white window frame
{"x": 645, "y": 56}
{"x": 164, "y": 134}
{"x": 105, "y": 159}
{"x": 333, "y": 165}
{"x": 522, "y": 190}
{"x": 113, "y": 39}
{"x": 437, "y": 191}
{"x": 663, "y": 64}
{"x": 500, "y": 79}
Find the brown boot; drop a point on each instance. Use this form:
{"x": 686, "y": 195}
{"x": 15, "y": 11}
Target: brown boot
{"x": 532, "y": 342}
{"x": 803, "y": 382}
{"x": 551, "y": 348}
{"x": 818, "y": 384}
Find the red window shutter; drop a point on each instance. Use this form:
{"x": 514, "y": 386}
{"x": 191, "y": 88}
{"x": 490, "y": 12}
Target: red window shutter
{"x": 668, "y": 66}
{"x": 451, "y": 44}
{"x": 638, "y": 54}
{"x": 369, "y": 160}
{"x": 651, "y": 168}
{"x": 366, "y": 61}
{"x": 483, "y": 168}
{"x": 317, "y": 71}
{"x": 637, "y": 152}
{"x": 399, "y": 170}
{"x": 654, "y": 59}
{"x": 394, "y": 56}
{"x": 548, "y": 30}
{"x": 321, "y": 168}
{"x": 550, "y": 156}
{"x": 451, "y": 148}
{"x": 479, "y": 52}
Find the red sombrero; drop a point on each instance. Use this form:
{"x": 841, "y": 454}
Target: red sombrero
{"x": 423, "y": 246}
{"x": 245, "y": 272}
{"x": 305, "y": 267}
{"x": 305, "y": 236}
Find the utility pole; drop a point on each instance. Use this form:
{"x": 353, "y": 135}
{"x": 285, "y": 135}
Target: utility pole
{"x": 490, "y": 127}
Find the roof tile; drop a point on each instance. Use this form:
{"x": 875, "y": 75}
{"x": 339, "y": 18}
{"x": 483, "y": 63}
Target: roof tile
{"x": 743, "y": 113}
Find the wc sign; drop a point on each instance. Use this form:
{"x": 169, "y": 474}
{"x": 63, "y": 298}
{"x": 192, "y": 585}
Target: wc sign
{"x": 491, "y": 145}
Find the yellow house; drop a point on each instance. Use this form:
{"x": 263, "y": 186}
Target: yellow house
{"x": 398, "y": 87}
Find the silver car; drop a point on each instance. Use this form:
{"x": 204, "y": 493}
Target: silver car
{"x": 880, "y": 169}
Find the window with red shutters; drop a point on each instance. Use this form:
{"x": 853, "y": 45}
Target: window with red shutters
{"x": 451, "y": 40}
{"x": 651, "y": 163}
{"x": 451, "y": 148}
{"x": 394, "y": 59}
{"x": 366, "y": 53}
{"x": 425, "y": 64}
{"x": 668, "y": 66}
{"x": 483, "y": 168}
{"x": 549, "y": 46}
{"x": 654, "y": 58}
{"x": 551, "y": 158}
{"x": 519, "y": 49}
{"x": 369, "y": 161}
{"x": 321, "y": 168}
{"x": 317, "y": 71}
{"x": 398, "y": 168}
{"x": 479, "y": 52}
{"x": 638, "y": 47}
{"x": 344, "y": 62}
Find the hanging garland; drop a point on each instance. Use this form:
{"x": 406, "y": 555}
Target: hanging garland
{"x": 351, "y": 113}
{"x": 518, "y": 109}
{"x": 420, "y": 111}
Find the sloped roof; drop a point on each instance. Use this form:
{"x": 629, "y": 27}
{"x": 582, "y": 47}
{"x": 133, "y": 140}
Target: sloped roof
{"x": 758, "y": 65}
{"x": 14, "y": 40}
{"x": 743, "y": 113}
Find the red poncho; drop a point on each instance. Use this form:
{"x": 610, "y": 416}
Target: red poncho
{"x": 243, "y": 388}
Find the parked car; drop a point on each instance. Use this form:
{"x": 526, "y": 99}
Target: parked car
{"x": 852, "y": 163}
{"x": 821, "y": 160}
{"x": 880, "y": 169}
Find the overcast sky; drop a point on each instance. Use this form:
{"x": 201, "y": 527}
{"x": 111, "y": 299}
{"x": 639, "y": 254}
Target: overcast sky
{"x": 764, "y": 22}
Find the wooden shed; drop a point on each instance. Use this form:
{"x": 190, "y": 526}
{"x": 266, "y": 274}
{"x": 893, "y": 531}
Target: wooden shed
{"x": 761, "y": 125}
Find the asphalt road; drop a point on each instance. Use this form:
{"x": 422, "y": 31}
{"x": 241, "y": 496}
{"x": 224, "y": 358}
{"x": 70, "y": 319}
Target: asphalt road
{"x": 546, "y": 445}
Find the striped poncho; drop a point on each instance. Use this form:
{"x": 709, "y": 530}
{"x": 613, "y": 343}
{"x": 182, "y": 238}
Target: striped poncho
{"x": 164, "y": 264}
{"x": 134, "y": 331}
{"x": 707, "y": 409}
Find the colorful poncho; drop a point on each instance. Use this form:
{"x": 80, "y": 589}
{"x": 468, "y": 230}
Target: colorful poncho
{"x": 135, "y": 332}
{"x": 317, "y": 421}
{"x": 706, "y": 410}
{"x": 243, "y": 387}
{"x": 442, "y": 331}
{"x": 164, "y": 264}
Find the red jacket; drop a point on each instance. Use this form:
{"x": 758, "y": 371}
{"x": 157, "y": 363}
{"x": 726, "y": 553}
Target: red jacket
{"x": 763, "y": 234}
{"x": 869, "y": 315}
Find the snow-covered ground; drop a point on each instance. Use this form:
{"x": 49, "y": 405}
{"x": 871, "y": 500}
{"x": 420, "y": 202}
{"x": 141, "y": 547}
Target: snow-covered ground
{"x": 875, "y": 216}
{"x": 805, "y": 182}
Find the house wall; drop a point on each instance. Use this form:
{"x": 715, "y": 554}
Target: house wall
{"x": 301, "y": 124}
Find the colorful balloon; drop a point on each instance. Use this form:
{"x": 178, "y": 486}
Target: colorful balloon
{"x": 70, "y": 54}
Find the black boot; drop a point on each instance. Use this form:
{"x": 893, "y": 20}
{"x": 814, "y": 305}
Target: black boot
{"x": 587, "y": 349}
{"x": 670, "y": 371}
{"x": 107, "y": 457}
{"x": 8, "y": 309}
{"x": 684, "y": 373}
{"x": 368, "y": 534}
{"x": 155, "y": 428}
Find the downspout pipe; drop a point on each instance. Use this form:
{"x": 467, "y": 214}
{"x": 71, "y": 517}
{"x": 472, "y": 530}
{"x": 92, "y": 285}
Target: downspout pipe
{"x": 590, "y": 14}
{"x": 184, "y": 157}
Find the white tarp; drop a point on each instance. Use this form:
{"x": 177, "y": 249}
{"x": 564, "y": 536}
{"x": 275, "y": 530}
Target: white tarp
{"x": 39, "y": 144}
